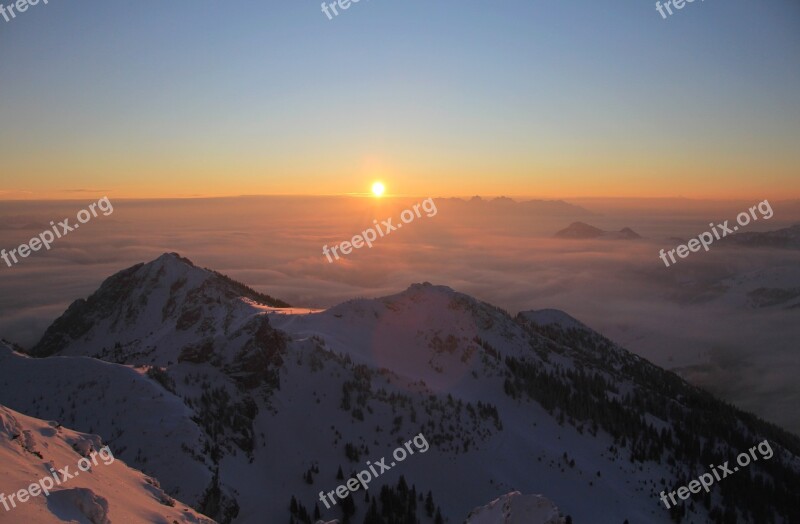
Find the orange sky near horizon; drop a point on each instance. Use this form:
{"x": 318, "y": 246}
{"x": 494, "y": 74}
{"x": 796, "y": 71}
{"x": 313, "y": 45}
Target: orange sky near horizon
{"x": 547, "y": 183}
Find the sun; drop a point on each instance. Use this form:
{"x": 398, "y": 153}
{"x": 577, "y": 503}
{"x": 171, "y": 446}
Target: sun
{"x": 378, "y": 189}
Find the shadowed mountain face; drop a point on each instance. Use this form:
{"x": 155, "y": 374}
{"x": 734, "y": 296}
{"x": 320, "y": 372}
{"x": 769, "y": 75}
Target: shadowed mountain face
{"x": 281, "y": 397}
{"x": 582, "y": 230}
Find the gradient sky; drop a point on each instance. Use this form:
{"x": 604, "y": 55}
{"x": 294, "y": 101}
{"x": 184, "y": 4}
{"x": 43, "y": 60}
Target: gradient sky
{"x": 521, "y": 97}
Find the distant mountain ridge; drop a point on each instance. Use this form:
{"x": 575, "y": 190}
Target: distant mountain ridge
{"x": 582, "y": 230}
{"x": 507, "y": 205}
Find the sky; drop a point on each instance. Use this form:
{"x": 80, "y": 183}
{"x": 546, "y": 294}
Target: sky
{"x": 537, "y": 98}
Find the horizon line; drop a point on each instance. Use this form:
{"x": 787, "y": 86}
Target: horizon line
{"x": 516, "y": 198}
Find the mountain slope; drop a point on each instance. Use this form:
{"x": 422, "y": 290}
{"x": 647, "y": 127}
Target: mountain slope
{"x": 100, "y": 490}
{"x": 538, "y": 403}
{"x": 147, "y": 426}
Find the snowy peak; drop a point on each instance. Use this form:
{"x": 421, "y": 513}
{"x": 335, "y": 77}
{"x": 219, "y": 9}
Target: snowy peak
{"x": 145, "y": 303}
{"x": 435, "y": 300}
{"x": 424, "y": 306}
{"x": 516, "y": 508}
{"x": 429, "y": 333}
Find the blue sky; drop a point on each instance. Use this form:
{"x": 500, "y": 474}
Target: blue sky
{"x": 146, "y": 97}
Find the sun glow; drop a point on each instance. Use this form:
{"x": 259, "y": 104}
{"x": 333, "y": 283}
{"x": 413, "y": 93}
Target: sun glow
{"x": 378, "y": 189}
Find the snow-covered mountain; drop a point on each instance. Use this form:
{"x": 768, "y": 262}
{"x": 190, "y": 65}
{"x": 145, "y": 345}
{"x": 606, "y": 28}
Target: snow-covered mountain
{"x": 147, "y": 426}
{"x": 787, "y": 238}
{"x": 154, "y": 313}
{"x": 259, "y": 406}
{"x": 774, "y": 287}
{"x": 84, "y": 482}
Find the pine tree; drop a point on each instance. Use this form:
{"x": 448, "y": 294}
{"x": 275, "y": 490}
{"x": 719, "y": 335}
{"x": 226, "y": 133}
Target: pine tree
{"x": 429, "y": 506}
{"x": 348, "y": 509}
